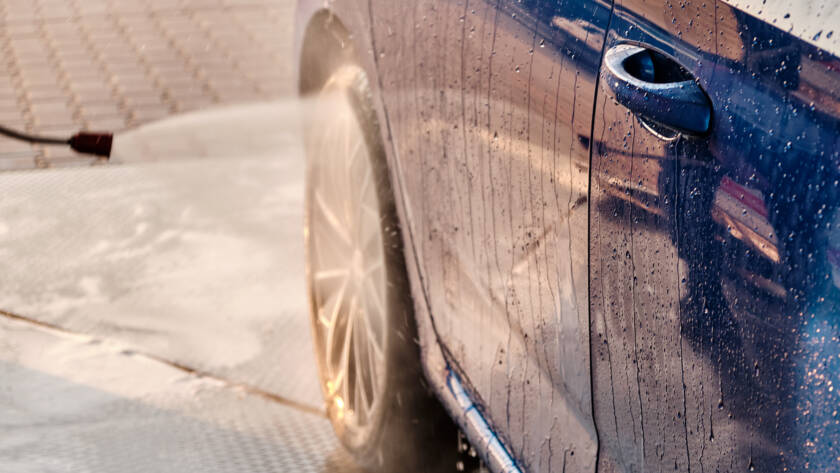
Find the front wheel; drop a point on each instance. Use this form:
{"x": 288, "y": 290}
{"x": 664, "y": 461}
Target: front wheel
{"x": 360, "y": 304}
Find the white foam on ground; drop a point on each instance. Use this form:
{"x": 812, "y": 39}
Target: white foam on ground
{"x": 197, "y": 258}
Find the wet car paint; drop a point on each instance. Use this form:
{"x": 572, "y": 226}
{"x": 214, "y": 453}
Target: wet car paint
{"x": 490, "y": 106}
{"x": 709, "y": 279}
{"x": 714, "y": 322}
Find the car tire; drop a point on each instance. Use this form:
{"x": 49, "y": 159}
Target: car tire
{"x": 360, "y": 301}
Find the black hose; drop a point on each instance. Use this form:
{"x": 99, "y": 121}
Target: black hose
{"x": 98, "y": 144}
{"x": 45, "y": 140}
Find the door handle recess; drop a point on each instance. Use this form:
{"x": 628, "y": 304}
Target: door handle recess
{"x": 656, "y": 88}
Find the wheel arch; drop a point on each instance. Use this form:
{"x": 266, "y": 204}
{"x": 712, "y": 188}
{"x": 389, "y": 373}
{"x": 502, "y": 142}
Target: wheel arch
{"x": 331, "y": 39}
{"x": 325, "y": 45}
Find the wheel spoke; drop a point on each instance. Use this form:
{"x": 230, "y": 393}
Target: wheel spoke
{"x": 359, "y": 404}
{"x": 332, "y": 305}
{"x": 337, "y": 377}
{"x": 330, "y": 314}
{"x": 327, "y": 274}
{"x": 375, "y": 313}
{"x": 375, "y": 359}
{"x": 347, "y": 353}
{"x": 354, "y": 156}
{"x": 339, "y": 383}
{"x": 332, "y": 220}
{"x": 330, "y": 251}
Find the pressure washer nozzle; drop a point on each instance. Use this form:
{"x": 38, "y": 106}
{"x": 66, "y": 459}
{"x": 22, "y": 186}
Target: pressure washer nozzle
{"x": 98, "y": 144}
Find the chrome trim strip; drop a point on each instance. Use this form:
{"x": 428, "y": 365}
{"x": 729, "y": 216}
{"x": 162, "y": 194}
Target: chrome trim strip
{"x": 498, "y": 458}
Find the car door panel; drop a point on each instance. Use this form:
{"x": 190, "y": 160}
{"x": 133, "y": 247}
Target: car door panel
{"x": 714, "y": 334}
{"x": 490, "y": 106}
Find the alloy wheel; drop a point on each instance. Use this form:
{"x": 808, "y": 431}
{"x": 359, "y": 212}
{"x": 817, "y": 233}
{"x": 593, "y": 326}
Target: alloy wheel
{"x": 346, "y": 266}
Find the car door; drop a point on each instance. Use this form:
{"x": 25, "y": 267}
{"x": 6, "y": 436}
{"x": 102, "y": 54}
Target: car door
{"x": 490, "y": 108}
{"x": 714, "y": 277}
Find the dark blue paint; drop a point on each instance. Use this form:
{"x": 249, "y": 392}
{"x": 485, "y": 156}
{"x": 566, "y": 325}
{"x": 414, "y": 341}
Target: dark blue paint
{"x": 490, "y": 110}
{"x": 741, "y": 221}
{"x": 713, "y": 261}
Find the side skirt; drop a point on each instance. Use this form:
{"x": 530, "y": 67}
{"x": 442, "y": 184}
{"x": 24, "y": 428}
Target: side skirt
{"x": 475, "y": 427}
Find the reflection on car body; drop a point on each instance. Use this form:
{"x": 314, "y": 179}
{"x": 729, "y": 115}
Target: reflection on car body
{"x": 612, "y": 291}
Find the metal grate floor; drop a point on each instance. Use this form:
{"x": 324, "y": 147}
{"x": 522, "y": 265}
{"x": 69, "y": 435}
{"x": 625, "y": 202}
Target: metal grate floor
{"x": 75, "y": 404}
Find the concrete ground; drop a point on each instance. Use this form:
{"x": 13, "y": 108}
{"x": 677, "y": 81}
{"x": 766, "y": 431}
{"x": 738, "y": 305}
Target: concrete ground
{"x": 152, "y": 310}
{"x": 78, "y": 403}
{"x": 115, "y": 64}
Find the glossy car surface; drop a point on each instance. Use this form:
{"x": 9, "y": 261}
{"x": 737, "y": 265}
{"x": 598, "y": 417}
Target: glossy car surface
{"x": 600, "y": 283}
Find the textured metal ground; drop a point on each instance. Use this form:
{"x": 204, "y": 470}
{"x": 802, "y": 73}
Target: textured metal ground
{"x": 72, "y": 403}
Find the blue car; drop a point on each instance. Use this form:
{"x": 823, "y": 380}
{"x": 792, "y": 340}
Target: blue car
{"x": 575, "y": 235}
